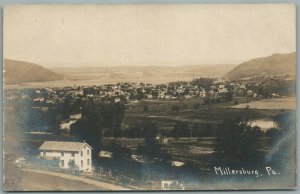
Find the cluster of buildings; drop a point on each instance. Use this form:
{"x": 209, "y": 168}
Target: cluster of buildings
{"x": 132, "y": 91}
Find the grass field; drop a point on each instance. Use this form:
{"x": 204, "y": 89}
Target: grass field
{"x": 32, "y": 181}
{"x": 161, "y": 113}
{"x": 272, "y": 103}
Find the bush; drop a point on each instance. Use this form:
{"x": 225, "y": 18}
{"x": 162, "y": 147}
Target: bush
{"x": 146, "y": 108}
{"x": 181, "y": 129}
{"x": 73, "y": 167}
{"x": 196, "y": 105}
{"x": 207, "y": 101}
{"x": 175, "y": 108}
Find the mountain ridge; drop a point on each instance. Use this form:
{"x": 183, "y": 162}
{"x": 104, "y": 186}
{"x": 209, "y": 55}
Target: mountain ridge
{"x": 17, "y": 72}
{"x": 275, "y": 64}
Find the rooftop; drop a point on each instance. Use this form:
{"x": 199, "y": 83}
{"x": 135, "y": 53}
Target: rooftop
{"x": 63, "y": 146}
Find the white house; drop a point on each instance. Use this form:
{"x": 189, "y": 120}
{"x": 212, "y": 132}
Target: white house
{"x": 171, "y": 185}
{"x": 80, "y": 152}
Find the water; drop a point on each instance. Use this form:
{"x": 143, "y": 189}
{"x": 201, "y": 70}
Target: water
{"x": 65, "y": 125}
{"x": 263, "y": 124}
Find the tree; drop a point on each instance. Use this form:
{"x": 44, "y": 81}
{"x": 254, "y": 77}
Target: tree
{"x": 146, "y": 108}
{"x": 229, "y": 95}
{"x": 207, "y": 100}
{"x": 237, "y": 142}
{"x": 151, "y": 148}
{"x": 196, "y": 105}
{"x": 206, "y": 130}
{"x": 150, "y": 131}
{"x": 117, "y": 132}
{"x": 175, "y": 108}
{"x": 181, "y": 129}
{"x": 203, "y": 82}
{"x": 121, "y": 158}
{"x": 72, "y": 166}
{"x": 133, "y": 132}
{"x": 97, "y": 116}
{"x": 66, "y": 106}
{"x": 89, "y": 130}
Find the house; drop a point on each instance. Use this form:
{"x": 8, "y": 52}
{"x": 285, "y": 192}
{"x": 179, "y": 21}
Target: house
{"x": 171, "y": 185}
{"x": 202, "y": 93}
{"x": 177, "y": 163}
{"x": 250, "y": 93}
{"x": 275, "y": 95}
{"x": 117, "y": 99}
{"x": 20, "y": 162}
{"x": 65, "y": 152}
{"x": 148, "y": 96}
{"x": 105, "y": 154}
{"x": 161, "y": 95}
{"x": 162, "y": 140}
{"x": 165, "y": 185}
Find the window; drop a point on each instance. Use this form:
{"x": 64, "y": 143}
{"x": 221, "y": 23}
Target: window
{"x": 88, "y": 162}
{"x": 88, "y": 152}
{"x": 81, "y": 163}
{"x": 44, "y": 153}
{"x": 62, "y": 154}
{"x": 81, "y": 153}
{"x": 62, "y": 163}
{"x": 73, "y": 154}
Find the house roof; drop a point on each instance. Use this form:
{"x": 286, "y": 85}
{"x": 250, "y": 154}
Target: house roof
{"x": 63, "y": 146}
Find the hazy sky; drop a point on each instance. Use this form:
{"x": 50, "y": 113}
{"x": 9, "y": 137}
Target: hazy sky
{"x": 184, "y": 34}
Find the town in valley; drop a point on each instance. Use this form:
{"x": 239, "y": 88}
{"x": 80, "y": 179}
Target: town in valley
{"x": 175, "y": 131}
{"x": 149, "y": 97}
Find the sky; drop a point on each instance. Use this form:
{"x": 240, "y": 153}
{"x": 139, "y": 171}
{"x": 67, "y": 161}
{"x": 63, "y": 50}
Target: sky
{"x": 160, "y": 35}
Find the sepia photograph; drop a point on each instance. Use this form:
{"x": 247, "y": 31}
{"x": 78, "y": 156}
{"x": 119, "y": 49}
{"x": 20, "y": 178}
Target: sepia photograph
{"x": 149, "y": 97}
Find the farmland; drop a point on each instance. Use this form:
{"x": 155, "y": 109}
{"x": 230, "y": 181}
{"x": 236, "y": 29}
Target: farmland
{"x": 271, "y": 104}
{"x": 191, "y": 112}
{"x": 170, "y": 136}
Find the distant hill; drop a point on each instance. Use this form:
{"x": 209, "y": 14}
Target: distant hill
{"x": 148, "y": 74}
{"x": 17, "y": 72}
{"x": 276, "y": 64}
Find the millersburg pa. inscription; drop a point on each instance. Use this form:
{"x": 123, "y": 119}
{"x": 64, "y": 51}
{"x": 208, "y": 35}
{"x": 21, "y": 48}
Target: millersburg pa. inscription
{"x": 228, "y": 171}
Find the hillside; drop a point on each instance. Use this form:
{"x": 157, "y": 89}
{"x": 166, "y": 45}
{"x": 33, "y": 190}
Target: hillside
{"x": 276, "y": 64}
{"x": 148, "y": 74}
{"x": 17, "y": 72}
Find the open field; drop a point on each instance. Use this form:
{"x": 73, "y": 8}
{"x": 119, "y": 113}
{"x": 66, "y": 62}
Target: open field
{"x": 161, "y": 113}
{"x": 272, "y": 103}
{"x": 32, "y": 181}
